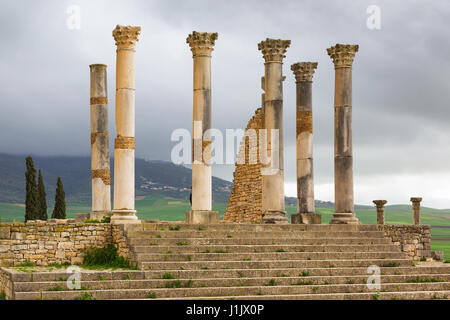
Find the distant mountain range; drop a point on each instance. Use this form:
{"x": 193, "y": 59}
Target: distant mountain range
{"x": 157, "y": 178}
{"x": 152, "y": 178}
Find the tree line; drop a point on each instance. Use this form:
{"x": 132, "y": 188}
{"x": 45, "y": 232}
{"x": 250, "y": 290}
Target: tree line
{"x": 35, "y": 199}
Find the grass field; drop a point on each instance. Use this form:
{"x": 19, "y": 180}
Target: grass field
{"x": 167, "y": 209}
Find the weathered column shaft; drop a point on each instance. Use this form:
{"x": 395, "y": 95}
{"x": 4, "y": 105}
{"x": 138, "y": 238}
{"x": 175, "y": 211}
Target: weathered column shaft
{"x": 380, "y": 210}
{"x": 201, "y": 44}
{"x": 416, "y": 210}
{"x": 124, "y": 144}
{"x": 343, "y": 56}
{"x": 304, "y": 133}
{"x": 100, "y": 164}
{"x": 273, "y": 51}
{"x": 304, "y": 72}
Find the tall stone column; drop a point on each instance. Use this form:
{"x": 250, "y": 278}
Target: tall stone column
{"x": 342, "y": 56}
{"x": 380, "y": 210}
{"x": 416, "y": 210}
{"x": 304, "y": 72}
{"x": 273, "y": 205}
{"x": 100, "y": 164}
{"x": 124, "y": 211}
{"x": 202, "y": 44}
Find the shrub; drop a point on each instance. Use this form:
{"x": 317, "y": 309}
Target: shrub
{"x": 26, "y": 264}
{"x": 106, "y": 219}
{"x": 105, "y": 258}
{"x": 85, "y": 296}
{"x": 91, "y": 221}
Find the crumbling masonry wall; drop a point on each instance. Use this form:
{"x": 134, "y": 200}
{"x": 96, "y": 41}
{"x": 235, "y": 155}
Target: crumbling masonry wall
{"x": 60, "y": 241}
{"x": 245, "y": 204}
{"x": 414, "y": 240}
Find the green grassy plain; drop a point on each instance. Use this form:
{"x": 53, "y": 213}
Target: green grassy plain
{"x": 168, "y": 209}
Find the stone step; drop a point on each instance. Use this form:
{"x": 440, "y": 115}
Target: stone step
{"x": 402, "y": 295}
{"x": 236, "y": 227}
{"x": 88, "y": 275}
{"x": 255, "y": 241}
{"x": 232, "y": 291}
{"x": 267, "y": 264}
{"x": 267, "y": 248}
{"x": 225, "y": 282}
{"x": 225, "y": 256}
{"x": 152, "y": 234}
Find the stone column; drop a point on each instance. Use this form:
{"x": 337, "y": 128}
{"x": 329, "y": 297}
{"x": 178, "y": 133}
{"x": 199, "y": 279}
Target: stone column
{"x": 273, "y": 205}
{"x": 304, "y": 72}
{"x": 202, "y": 44}
{"x": 124, "y": 212}
{"x": 380, "y": 210}
{"x": 342, "y": 56}
{"x": 416, "y": 210}
{"x": 100, "y": 164}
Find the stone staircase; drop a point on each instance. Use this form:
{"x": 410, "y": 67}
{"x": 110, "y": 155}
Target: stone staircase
{"x": 236, "y": 261}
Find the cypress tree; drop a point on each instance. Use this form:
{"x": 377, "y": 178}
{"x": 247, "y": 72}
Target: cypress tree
{"x": 31, "y": 198}
{"x": 59, "y": 211}
{"x": 42, "y": 198}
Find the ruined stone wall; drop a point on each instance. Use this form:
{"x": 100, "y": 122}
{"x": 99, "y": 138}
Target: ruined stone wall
{"x": 119, "y": 237}
{"x": 6, "y": 284}
{"x": 415, "y": 240}
{"x": 44, "y": 243}
{"x": 245, "y": 204}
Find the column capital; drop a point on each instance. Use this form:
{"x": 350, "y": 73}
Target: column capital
{"x": 304, "y": 71}
{"x": 201, "y": 43}
{"x": 380, "y": 203}
{"x": 416, "y": 199}
{"x": 273, "y": 50}
{"x": 126, "y": 36}
{"x": 97, "y": 66}
{"x": 343, "y": 55}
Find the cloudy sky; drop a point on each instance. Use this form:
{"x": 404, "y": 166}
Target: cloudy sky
{"x": 401, "y": 86}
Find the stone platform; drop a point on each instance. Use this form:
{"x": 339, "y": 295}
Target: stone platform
{"x": 238, "y": 261}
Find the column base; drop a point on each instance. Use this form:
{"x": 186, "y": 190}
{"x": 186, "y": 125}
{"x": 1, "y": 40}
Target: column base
{"x": 202, "y": 217}
{"x": 306, "y": 218}
{"x": 124, "y": 217}
{"x": 344, "y": 218}
{"x": 274, "y": 217}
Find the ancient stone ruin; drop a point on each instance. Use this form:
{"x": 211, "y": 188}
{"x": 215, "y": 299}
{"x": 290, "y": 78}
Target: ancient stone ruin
{"x": 253, "y": 253}
{"x": 245, "y": 204}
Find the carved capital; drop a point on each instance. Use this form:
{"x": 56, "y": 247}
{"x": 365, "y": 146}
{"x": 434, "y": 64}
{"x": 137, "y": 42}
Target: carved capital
{"x": 416, "y": 200}
{"x": 126, "y": 36}
{"x": 201, "y": 43}
{"x": 380, "y": 203}
{"x": 304, "y": 71}
{"x": 274, "y": 49}
{"x": 343, "y": 55}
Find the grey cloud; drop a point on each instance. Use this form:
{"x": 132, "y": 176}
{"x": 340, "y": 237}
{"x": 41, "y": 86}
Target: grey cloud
{"x": 400, "y": 77}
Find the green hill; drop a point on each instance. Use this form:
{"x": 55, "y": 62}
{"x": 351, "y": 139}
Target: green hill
{"x": 158, "y": 178}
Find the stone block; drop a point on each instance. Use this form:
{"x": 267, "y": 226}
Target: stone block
{"x": 274, "y": 217}
{"x": 5, "y": 232}
{"x": 76, "y": 260}
{"x": 306, "y": 218}
{"x": 60, "y": 254}
{"x": 202, "y": 216}
{"x": 65, "y": 245}
{"x": 437, "y": 255}
{"x": 18, "y": 236}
